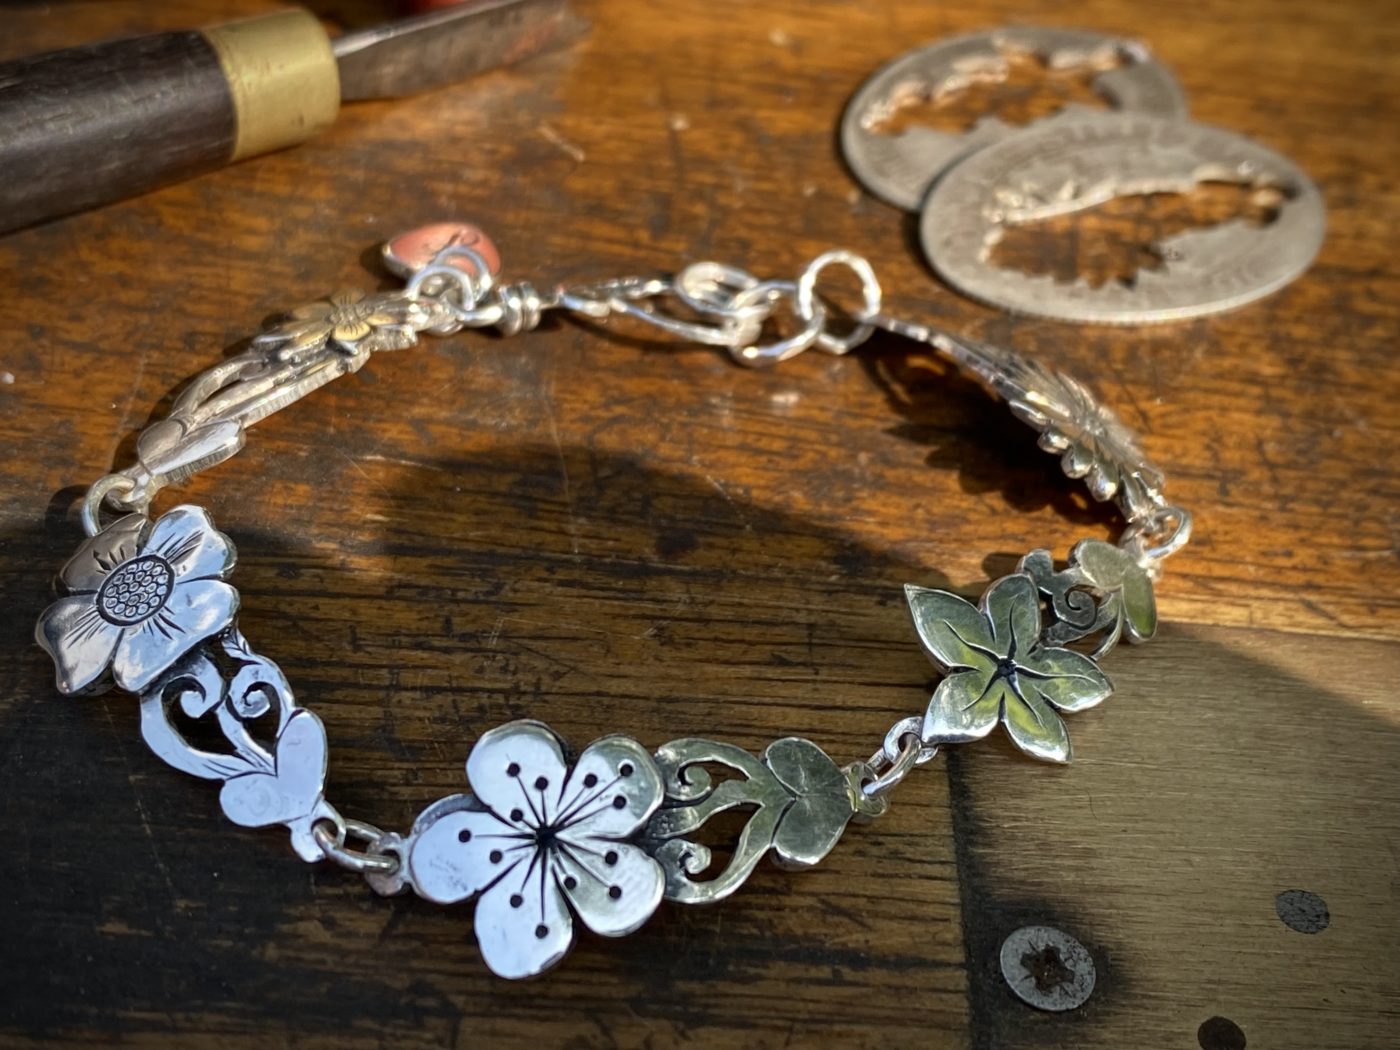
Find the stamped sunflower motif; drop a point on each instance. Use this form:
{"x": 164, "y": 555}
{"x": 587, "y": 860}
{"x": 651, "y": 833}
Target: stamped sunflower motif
{"x": 1000, "y": 671}
{"x": 1092, "y": 442}
{"x": 140, "y": 597}
{"x": 348, "y": 321}
{"x": 538, "y": 843}
{"x": 1090, "y": 439}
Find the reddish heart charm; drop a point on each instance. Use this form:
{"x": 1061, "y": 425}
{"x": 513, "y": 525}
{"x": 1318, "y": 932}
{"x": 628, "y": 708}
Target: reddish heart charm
{"x": 412, "y": 250}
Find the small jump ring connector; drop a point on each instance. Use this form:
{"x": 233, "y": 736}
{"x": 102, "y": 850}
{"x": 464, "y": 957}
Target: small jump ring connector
{"x": 807, "y": 305}
{"x": 472, "y": 286}
{"x": 331, "y": 836}
{"x": 903, "y": 749}
{"x": 772, "y": 353}
{"x": 92, "y": 503}
{"x": 1159, "y": 536}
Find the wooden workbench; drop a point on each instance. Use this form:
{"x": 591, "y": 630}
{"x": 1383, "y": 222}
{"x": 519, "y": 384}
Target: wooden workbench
{"x": 613, "y": 534}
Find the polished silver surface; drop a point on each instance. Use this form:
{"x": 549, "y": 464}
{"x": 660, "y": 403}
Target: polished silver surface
{"x": 1104, "y": 591}
{"x": 1083, "y": 162}
{"x": 797, "y": 799}
{"x": 999, "y": 670}
{"x": 139, "y": 597}
{"x": 1090, "y": 439}
{"x": 538, "y": 843}
{"x": 452, "y": 43}
{"x": 900, "y": 168}
{"x": 1047, "y": 968}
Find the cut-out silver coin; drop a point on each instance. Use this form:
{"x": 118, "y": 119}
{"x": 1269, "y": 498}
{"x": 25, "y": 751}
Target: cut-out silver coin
{"x": 900, "y": 168}
{"x": 1075, "y": 165}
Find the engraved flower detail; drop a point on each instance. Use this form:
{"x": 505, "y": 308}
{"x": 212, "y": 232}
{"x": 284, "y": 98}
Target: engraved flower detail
{"x": 140, "y": 597}
{"x": 1092, "y": 441}
{"x": 1000, "y": 671}
{"x": 538, "y": 843}
{"x": 347, "y": 320}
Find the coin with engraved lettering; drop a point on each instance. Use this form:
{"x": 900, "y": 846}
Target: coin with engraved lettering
{"x": 899, "y": 165}
{"x": 1041, "y": 174}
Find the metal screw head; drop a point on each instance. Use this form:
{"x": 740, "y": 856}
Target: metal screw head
{"x": 1047, "y": 968}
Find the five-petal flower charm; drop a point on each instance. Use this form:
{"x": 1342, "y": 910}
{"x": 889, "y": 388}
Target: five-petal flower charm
{"x": 1000, "y": 671}
{"x": 538, "y": 841}
{"x": 141, "y": 596}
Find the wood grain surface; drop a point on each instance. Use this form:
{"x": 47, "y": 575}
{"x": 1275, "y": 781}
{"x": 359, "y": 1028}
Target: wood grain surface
{"x": 615, "y": 534}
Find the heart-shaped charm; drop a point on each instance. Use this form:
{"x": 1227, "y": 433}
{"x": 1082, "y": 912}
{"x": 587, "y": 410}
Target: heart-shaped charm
{"x": 412, "y": 250}
{"x": 291, "y": 794}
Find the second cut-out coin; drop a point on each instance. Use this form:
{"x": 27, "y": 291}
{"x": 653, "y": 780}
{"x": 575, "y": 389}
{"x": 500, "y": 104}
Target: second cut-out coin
{"x": 900, "y": 167}
{"x": 1072, "y": 166}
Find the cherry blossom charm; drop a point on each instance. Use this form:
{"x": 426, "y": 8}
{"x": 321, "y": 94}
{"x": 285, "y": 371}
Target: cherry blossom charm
{"x": 538, "y": 843}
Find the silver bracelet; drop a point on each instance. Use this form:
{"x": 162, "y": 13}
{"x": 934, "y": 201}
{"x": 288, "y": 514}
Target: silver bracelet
{"x": 546, "y": 836}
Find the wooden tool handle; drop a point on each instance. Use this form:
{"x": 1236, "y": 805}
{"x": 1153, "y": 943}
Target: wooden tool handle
{"x": 94, "y": 124}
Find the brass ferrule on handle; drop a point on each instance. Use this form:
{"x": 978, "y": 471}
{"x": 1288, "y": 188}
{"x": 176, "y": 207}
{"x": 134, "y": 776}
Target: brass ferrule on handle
{"x": 282, "y": 77}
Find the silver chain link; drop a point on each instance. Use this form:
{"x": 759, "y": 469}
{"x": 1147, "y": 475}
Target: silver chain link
{"x": 707, "y": 302}
{"x": 332, "y": 833}
{"x": 902, "y": 750}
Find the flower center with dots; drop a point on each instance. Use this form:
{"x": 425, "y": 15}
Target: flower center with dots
{"x": 136, "y": 590}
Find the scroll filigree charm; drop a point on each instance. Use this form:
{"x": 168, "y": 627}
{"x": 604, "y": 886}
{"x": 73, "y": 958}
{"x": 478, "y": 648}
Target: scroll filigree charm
{"x": 801, "y": 802}
{"x": 1103, "y": 591}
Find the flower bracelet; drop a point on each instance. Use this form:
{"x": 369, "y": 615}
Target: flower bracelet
{"x": 545, "y": 836}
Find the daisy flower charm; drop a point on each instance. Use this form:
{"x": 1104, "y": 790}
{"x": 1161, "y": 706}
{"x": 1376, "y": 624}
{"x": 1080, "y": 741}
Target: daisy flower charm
{"x": 140, "y": 597}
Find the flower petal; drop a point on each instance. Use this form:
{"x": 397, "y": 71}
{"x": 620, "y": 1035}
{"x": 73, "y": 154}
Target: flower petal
{"x": 196, "y": 610}
{"x": 952, "y": 630}
{"x": 965, "y": 706}
{"x": 522, "y": 925}
{"x": 81, "y": 642}
{"x": 614, "y": 788}
{"x": 614, "y": 891}
{"x": 320, "y": 310}
{"x": 459, "y": 848}
{"x": 293, "y": 329}
{"x": 187, "y": 539}
{"x": 1077, "y": 460}
{"x": 345, "y": 297}
{"x": 351, "y": 331}
{"x": 1012, "y": 606}
{"x": 1069, "y": 680}
{"x": 1035, "y": 728}
{"x": 116, "y": 543}
{"x": 312, "y": 336}
{"x": 518, "y": 765}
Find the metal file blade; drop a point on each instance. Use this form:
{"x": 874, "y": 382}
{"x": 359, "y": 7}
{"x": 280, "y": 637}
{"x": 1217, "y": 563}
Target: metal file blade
{"x": 453, "y": 43}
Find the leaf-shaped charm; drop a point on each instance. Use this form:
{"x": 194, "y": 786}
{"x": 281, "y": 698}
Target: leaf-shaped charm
{"x": 1004, "y": 671}
{"x": 813, "y": 823}
{"x": 171, "y": 451}
{"x": 1111, "y": 569}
